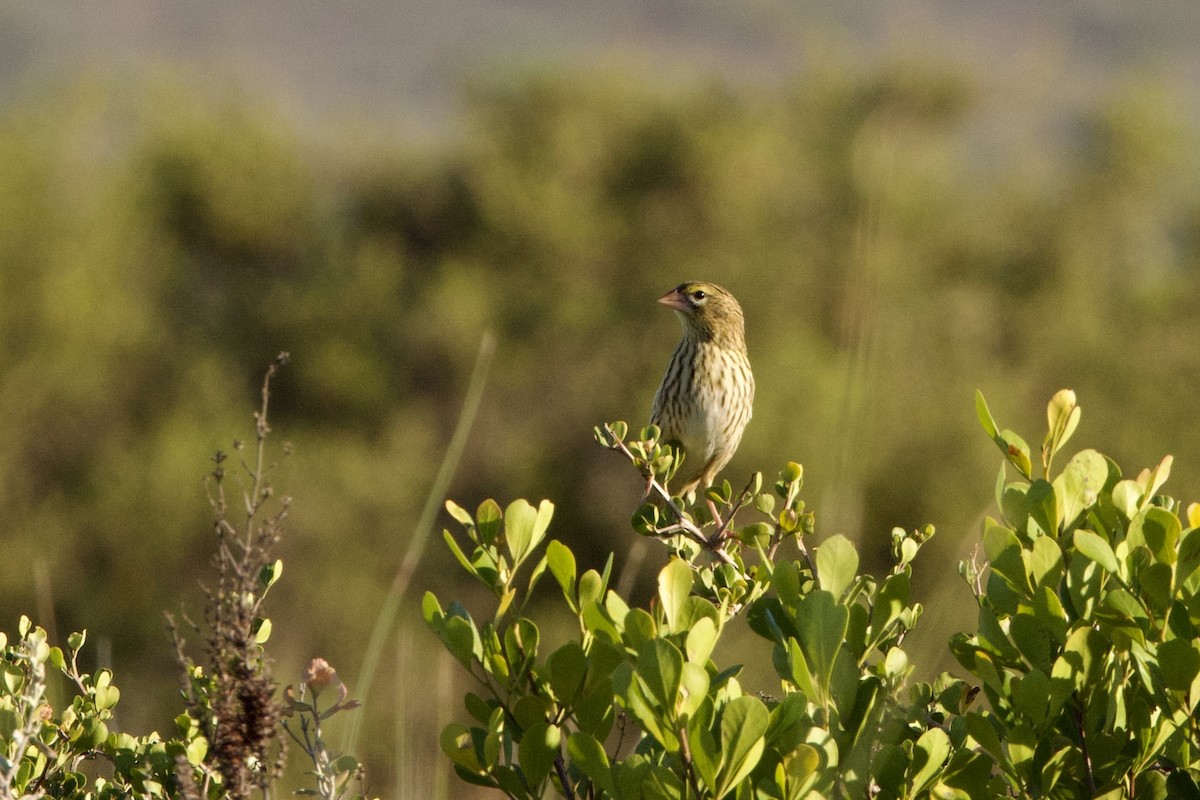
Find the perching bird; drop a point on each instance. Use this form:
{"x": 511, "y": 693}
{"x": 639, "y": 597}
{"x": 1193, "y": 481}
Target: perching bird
{"x": 705, "y": 398}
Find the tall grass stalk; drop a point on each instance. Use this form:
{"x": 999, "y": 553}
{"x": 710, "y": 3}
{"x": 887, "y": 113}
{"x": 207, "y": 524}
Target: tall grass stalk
{"x": 386, "y": 619}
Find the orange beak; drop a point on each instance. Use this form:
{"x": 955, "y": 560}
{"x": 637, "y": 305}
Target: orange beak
{"x": 673, "y": 299}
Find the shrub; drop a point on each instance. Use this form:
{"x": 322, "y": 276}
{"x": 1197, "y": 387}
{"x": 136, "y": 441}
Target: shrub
{"x": 1086, "y": 648}
{"x": 226, "y": 743}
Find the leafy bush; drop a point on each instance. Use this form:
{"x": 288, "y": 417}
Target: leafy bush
{"x": 1087, "y": 644}
{"x": 1086, "y": 655}
{"x": 175, "y": 232}
{"x": 1086, "y": 649}
{"x": 226, "y": 743}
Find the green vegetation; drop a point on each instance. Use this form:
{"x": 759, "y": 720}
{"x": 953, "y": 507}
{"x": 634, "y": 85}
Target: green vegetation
{"x": 894, "y": 243}
{"x": 1087, "y": 649}
{"x": 226, "y": 741}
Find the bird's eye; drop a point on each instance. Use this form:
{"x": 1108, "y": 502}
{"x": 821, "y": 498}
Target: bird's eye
{"x": 698, "y": 295}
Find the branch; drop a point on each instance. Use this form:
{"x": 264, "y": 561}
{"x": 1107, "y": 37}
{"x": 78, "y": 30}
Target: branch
{"x": 723, "y": 532}
{"x": 561, "y": 768}
{"x": 684, "y": 526}
{"x": 685, "y": 750}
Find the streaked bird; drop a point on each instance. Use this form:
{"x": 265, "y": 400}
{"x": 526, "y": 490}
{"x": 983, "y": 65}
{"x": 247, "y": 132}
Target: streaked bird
{"x": 706, "y": 396}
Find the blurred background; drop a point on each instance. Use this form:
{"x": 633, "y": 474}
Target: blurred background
{"x": 911, "y": 201}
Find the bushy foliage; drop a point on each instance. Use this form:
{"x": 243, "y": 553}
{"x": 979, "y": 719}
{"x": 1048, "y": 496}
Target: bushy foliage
{"x": 1087, "y": 649}
{"x": 160, "y": 238}
{"x": 1088, "y": 645}
{"x": 227, "y": 739}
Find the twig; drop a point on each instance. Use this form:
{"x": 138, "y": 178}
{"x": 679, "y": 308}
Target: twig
{"x": 685, "y": 749}
{"x": 561, "y": 768}
{"x": 723, "y": 532}
{"x": 684, "y": 525}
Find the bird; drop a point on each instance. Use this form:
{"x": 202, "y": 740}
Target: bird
{"x": 706, "y": 396}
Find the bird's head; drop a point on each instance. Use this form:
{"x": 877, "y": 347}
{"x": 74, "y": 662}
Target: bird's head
{"x": 706, "y": 310}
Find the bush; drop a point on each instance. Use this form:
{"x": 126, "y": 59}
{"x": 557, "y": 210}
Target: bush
{"x": 1086, "y": 648}
{"x": 227, "y": 740}
{"x": 1086, "y": 655}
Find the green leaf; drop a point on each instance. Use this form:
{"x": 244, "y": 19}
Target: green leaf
{"x": 1127, "y": 497}
{"x": 1062, "y": 416}
{"x": 639, "y": 628}
{"x": 487, "y": 521}
{"x": 458, "y": 553}
{"x": 1083, "y": 652}
{"x": 896, "y": 663}
{"x": 1161, "y": 530}
{"x": 1094, "y": 547}
{"x": 1179, "y": 661}
{"x": 982, "y": 731}
{"x": 538, "y": 749}
{"x": 1017, "y": 452}
{"x": 644, "y": 707}
{"x": 1153, "y": 480}
{"x": 106, "y": 696}
{"x": 1080, "y": 484}
{"x": 756, "y": 533}
{"x": 459, "y": 745}
{"x": 1050, "y": 612}
{"x": 1045, "y": 562}
{"x": 693, "y": 688}
{"x": 261, "y": 630}
{"x": 890, "y": 602}
{"x": 929, "y": 755}
{"x": 1032, "y": 639}
{"x": 792, "y": 665}
{"x": 527, "y": 710}
{"x": 1188, "y": 555}
{"x": 695, "y": 609}
{"x": 524, "y": 528}
{"x": 1013, "y": 446}
{"x": 789, "y": 722}
{"x": 459, "y": 513}
{"x": 196, "y": 751}
{"x": 270, "y": 573}
{"x": 1004, "y": 553}
{"x": 706, "y": 757}
{"x": 786, "y": 582}
{"x": 431, "y": 609}
{"x": 1155, "y": 583}
{"x": 596, "y": 713}
{"x": 566, "y": 665}
{"x": 590, "y": 587}
{"x": 1031, "y": 696}
{"x": 822, "y": 625}
{"x": 743, "y": 724}
{"x": 985, "y": 416}
{"x": 674, "y": 586}
{"x": 701, "y": 639}
{"x": 561, "y": 562}
{"x": 837, "y": 564}
{"x": 462, "y": 640}
{"x": 659, "y": 666}
{"x": 588, "y": 755}
{"x": 55, "y": 658}
{"x": 1043, "y": 506}
{"x": 1014, "y": 503}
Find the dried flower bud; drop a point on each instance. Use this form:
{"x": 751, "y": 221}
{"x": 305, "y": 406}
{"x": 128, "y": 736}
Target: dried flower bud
{"x": 319, "y": 675}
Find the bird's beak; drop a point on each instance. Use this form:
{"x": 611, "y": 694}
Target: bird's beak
{"x": 673, "y": 299}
